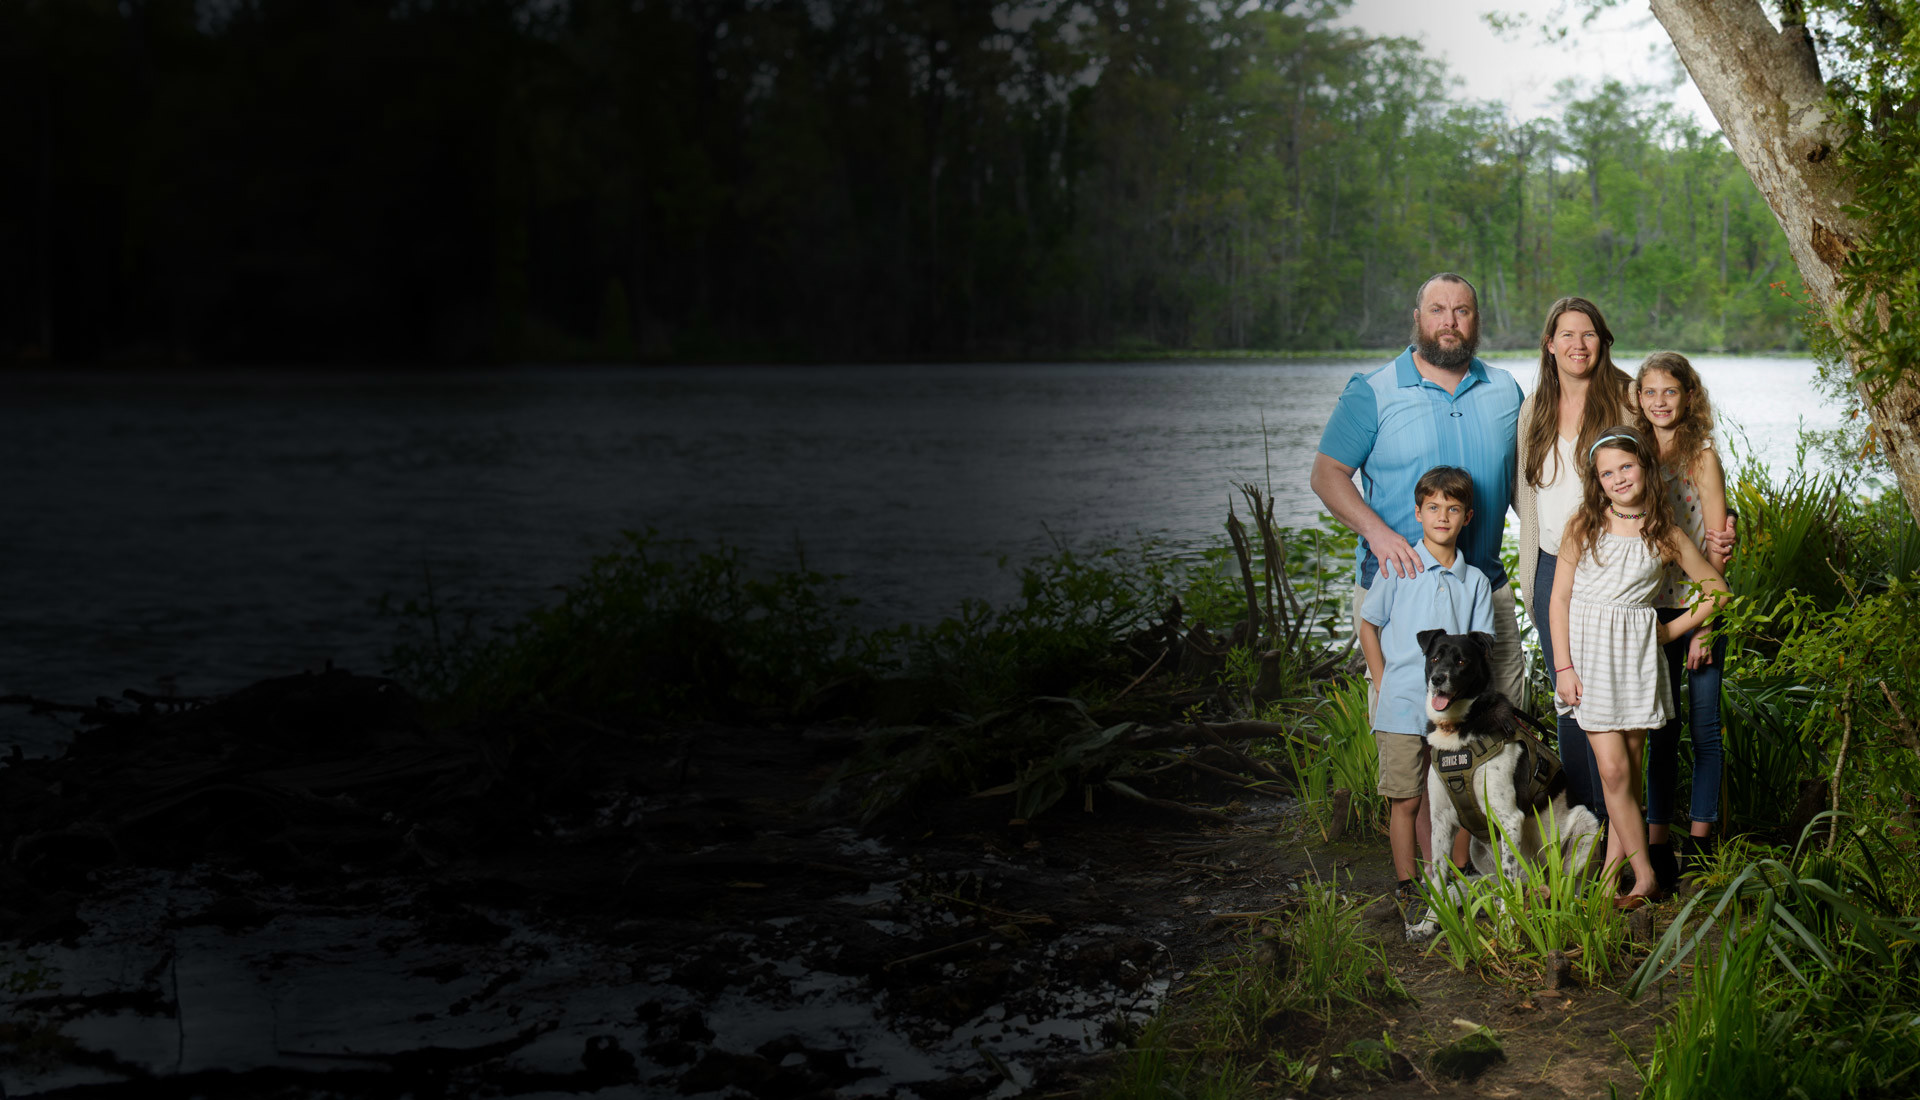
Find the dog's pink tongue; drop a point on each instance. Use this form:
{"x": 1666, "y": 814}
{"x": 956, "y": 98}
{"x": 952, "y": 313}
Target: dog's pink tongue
{"x": 1441, "y": 702}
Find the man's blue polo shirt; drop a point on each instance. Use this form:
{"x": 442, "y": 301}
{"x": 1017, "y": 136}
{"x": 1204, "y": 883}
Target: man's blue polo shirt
{"x": 1457, "y": 600}
{"x": 1393, "y": 425}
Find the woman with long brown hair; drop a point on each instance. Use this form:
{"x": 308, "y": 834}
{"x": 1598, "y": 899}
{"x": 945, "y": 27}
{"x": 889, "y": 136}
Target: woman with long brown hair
{"x": 1579, "y": 393}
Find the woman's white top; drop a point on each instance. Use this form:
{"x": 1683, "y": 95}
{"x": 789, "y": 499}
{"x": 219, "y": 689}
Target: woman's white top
{"x": 1559, "y": 498}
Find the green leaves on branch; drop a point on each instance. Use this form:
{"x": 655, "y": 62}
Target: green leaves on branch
{"x": 1870, "y": 53}
{"x": 1879, "y": 315}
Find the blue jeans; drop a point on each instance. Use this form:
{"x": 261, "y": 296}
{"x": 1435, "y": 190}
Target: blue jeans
{"x": 1703, "y": 711}
{"x": 1576, "y": 757}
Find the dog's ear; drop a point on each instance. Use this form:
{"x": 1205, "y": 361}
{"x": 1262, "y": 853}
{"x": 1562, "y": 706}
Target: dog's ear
{"x": 1426, "y": 638}
{"x": 1485, "y": 639}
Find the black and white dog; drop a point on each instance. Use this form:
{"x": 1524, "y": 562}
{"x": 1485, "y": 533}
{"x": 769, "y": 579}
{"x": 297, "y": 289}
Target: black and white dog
{"x": 1486, "y": 766}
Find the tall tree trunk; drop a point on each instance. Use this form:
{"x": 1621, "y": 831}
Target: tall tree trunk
{"x": 1765, "y": 89}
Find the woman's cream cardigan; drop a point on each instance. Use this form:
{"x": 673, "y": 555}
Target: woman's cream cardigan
{"x": 1526, "y": 504}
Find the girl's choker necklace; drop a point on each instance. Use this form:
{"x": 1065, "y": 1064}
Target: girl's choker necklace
{"x": 1618, "y": 514}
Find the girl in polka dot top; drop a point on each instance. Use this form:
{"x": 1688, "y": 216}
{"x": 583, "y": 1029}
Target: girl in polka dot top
{"x": 1674, "y": 408}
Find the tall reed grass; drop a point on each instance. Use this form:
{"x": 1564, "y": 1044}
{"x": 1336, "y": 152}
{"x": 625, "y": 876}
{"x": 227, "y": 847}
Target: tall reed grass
{"x": 1349, "y": 759}
{"x": 1507, "y": 926}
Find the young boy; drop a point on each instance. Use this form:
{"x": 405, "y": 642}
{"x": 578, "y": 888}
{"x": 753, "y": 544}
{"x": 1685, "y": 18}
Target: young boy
{"x": 1448, "y": 594}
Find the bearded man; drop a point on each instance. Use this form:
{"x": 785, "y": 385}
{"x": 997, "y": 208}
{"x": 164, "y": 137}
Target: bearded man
{"x": 1434, "y": 405}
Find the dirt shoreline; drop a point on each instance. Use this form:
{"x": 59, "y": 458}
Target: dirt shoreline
{"x": 298, "y": 890}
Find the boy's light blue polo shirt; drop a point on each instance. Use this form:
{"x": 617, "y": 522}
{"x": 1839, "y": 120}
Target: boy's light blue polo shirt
{"x": 1393, "y": 425}
{"x": 1457, "y": 600}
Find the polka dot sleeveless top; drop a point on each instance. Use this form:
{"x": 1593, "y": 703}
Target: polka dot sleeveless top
{"x": 1684, "y": 495}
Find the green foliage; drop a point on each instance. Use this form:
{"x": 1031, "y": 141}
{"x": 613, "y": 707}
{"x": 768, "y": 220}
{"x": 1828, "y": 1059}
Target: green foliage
{"x": 1319, "y": 563}
{"x": 654, "y": 628}
{"x": 31, "y": 1038}
{"x": 1304, "y": 199}
{"x": 1839, "y": 676}
{"x": 1811, "y": 989}
{"x": 27, "y": 975}
{"x": 1054, "y": 638}
{"x": 1766, "y": 759}
{"x": 1334, "y": 966}
{"x": 1153, "y": 1070}
{"x": 1003, "y": 698}
{"x": 1726, "y": 1040}
{"x": 1079, "y": 763}
{"x": 1714, "y": 870}
{"x": 1823, "y": 616}
{"x": 1051, "y": 745}
{"x": 1872, "y": 52}
{"x": 1211, "y": 593}
{"x": 1022, "y": 689}
{"x": 1828, "y": 911}
{"x": 1838, "y": 653}
{"x": 1790, "y": 533}
{"x": 1310, "y": 968}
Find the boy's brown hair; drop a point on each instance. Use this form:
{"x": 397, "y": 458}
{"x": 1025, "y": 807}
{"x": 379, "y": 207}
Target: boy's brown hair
{"x": 1449, "y": 481}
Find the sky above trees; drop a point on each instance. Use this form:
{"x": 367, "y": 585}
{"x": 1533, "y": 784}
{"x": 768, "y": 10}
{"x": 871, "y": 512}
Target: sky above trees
{"x": 1523, "y": 64}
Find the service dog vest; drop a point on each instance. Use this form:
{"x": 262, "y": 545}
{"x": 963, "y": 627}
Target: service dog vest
{"x": 1458, "y": 769}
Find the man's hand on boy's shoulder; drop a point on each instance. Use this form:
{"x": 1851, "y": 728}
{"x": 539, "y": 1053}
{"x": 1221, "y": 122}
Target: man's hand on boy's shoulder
{"x": 1390, "y": 546}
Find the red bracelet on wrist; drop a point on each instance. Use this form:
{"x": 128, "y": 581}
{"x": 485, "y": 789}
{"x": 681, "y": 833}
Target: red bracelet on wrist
{"x": 1558, "y": 671}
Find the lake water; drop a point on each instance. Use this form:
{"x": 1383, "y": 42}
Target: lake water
{"x": 205, "y": 530}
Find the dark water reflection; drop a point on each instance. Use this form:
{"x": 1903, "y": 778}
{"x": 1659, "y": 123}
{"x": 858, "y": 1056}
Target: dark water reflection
{"x": 210, "y": 529}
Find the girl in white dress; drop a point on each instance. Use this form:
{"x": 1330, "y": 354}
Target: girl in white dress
{"x": 1613, "y": 680}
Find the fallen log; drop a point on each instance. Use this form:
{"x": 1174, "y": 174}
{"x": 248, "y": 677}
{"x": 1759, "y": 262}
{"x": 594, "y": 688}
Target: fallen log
{"x": 1248, "y": 729}
{"x": 1223, "y": 774}
{"x": 1122, "y": 789}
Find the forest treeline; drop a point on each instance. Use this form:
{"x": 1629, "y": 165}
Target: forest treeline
{"x": 484, "y": 180}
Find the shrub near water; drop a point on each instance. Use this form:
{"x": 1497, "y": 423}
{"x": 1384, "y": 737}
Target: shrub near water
{"x": 661, "y": 628}
{"x": 1056, "y": 638}
{"x": 1035, "y": 700}
{"x": 1822, "y": 686}
{"x": 654, "y": 628}
{"x": 1824, "y": 612}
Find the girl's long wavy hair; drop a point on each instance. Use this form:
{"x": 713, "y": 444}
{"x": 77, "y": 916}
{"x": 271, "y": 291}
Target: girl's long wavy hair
{"x": 1695, "y": 426}
{"x": 1607, "y": 396}
{"x": 1590, "y": 519}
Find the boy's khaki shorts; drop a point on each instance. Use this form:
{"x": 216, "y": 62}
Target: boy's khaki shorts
{"x": 1403, "y": 764}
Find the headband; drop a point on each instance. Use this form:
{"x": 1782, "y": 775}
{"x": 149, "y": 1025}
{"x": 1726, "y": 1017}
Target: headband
{"x": 1605, "y": 438}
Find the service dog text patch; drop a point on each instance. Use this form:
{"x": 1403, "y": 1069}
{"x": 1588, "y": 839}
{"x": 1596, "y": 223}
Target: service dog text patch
{"x": 1454, "y": 761}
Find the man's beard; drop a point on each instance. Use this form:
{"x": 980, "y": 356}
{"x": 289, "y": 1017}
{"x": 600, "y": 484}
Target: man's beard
{"x": 1459, "y": 355}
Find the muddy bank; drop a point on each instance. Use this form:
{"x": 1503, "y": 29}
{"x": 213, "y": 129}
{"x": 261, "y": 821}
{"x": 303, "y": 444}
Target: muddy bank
{"x": 301, "y": 889}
